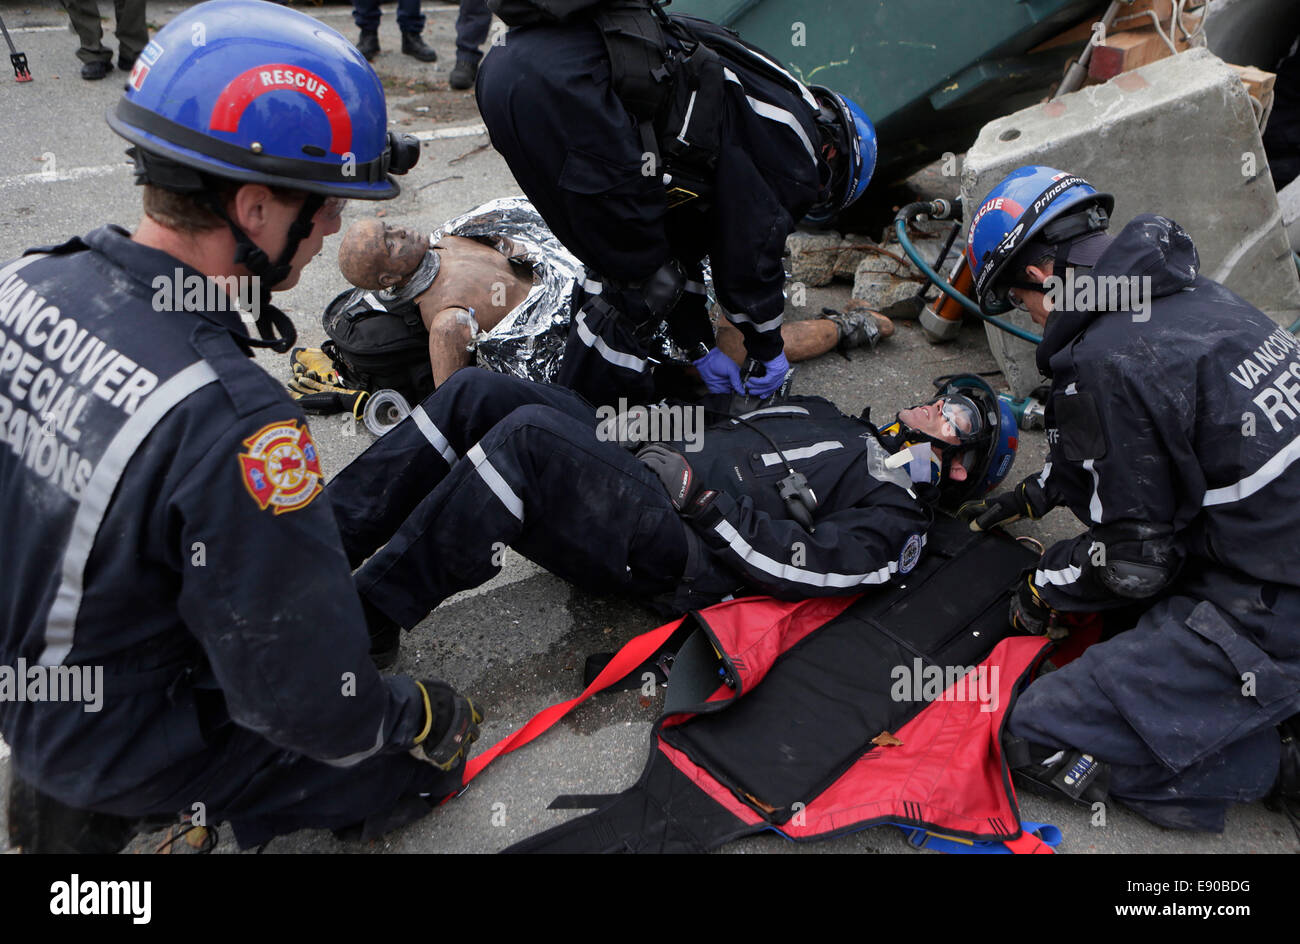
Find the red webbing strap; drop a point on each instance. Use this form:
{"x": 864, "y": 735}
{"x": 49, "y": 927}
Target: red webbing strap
{"x": 1028, "y": 844}
{"x": 635, "y": 652}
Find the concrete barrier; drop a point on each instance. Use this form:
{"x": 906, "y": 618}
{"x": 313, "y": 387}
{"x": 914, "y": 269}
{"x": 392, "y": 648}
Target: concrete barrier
{"x": 1177, "y": 138}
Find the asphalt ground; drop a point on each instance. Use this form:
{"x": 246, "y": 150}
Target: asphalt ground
{"x": 518, "y": 643}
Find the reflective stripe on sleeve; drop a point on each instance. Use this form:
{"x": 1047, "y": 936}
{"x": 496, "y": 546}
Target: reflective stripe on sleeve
{"x": 352, "y": 760}
{"x": 774, "y": 113}
{"x": 788, "y": 572}
{"x": 736, "y": 317}
{"x": 617, "y": 358}
{"x": 1059, "y": 578}
{"x": 1258, "y": 479}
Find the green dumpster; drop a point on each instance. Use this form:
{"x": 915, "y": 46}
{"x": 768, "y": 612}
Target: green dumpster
{"x": 930, "y": 73}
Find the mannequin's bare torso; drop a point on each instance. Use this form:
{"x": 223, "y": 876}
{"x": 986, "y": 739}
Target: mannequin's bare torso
{"x": 471, "y": 276}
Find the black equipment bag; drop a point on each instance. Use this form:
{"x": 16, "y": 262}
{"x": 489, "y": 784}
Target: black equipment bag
{"x": 673, "y": 88}
{"x": 375, "y": 347}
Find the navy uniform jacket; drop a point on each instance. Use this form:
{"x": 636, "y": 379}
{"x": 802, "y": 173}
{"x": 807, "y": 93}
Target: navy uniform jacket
{"x": 1187, "y": 423}
{"x": 548, "y": 103}
{"x": 161, "y": 519}
{"x": 868, "y": 526}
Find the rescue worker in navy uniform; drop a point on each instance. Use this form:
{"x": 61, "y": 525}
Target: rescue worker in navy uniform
{"x": 645, "y": 162}
{"x": 160, "y": 488}
{"x": 788, "y": 497}
{"x": 1172, "y": 428}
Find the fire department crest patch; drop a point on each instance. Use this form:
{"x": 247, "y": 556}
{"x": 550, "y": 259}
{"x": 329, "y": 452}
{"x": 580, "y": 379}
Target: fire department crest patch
{"x": 281, "y": 468}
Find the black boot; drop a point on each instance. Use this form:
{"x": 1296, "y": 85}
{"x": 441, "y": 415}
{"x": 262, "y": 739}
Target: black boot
{"x": 368, "y": 44}
{"x": 463, "y": 75}
{"x": 413, "y": 45}
{"x": 96, "y": 69}
{"x": 1051, "y": 772}
{"x": 40, "y": 824}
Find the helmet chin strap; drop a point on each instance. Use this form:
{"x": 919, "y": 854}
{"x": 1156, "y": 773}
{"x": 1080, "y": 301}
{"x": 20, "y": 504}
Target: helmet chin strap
{"x": 276, "y": 329}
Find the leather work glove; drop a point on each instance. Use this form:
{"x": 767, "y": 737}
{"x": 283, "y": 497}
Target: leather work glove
{"x": 450, "y": 727}
{"x": 1026, "y": 500}
{"x": 719, "y": 372}
{"x": 315, "y": 363}
{"x": 769, "y": 382}
{"x": 1029, "y": 612}
{"x": 624, "y": 427}
{"x": 687, "y": 496}
{"x": 320, "y": 397}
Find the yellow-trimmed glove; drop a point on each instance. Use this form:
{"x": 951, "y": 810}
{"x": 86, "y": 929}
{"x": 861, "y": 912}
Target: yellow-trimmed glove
{"x": 1029, "y": 612}
{"x": 325, "y": 398}
{"x": 450, "y": 726}
{"x": 314, "y": 363}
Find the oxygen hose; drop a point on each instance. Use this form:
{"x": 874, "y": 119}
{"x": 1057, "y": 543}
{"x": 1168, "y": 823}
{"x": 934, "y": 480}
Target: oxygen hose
{"x": 940, "y": 210}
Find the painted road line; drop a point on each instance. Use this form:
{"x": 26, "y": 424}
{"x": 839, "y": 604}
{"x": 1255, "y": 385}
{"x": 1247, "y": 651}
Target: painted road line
{"x": 103, "y": 170}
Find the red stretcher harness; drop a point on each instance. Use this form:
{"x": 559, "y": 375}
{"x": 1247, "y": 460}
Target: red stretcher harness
{"x": 827, "y": 716}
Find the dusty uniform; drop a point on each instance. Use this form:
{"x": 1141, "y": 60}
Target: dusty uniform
{"x": 489, "y": 460}
{"x": 548, "y": 103}
{"x": 1174, "y": 431}
{"x": 165, "y": 527}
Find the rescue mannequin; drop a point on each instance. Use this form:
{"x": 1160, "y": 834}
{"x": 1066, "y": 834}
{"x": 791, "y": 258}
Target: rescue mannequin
{"x": 469, "y": 276}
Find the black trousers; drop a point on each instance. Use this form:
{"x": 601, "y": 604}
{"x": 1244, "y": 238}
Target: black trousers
{"x": 489, "y": 461}
{"x": 1184, "y": 706}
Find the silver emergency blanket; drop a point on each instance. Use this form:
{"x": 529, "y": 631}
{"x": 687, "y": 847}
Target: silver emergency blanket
{"x": 529, "y": 341}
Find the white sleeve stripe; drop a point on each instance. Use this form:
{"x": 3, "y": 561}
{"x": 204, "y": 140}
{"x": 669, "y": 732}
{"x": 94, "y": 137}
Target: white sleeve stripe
{"x": 1059, "y": 578}
{"x": 770, "y": 411}
{"x": 500, "y": 487}
{"x": 736, "y": 317}
{"x": 431, "y": 432}
{"x": 773, "y": 113}
{"x": 804, "y": 91}
{"x": 352, "y": 760}
{"x": 1258, "y": 479}
{"x": 686, "y": 122}
{"x": 1094, "y": 506}
{"x": 1042, "y": 479}
{"x": 617, "y": 358}
{"x": 741, "y": 548}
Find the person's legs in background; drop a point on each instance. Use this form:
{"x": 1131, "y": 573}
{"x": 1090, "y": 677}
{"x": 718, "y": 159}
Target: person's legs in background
{"x": 96, "y": 58}
{"x": 365, "y": 13}
{"x": 411, "y": 22}
{"x": 472, "y": 26}
{"x": 132, "y": 32}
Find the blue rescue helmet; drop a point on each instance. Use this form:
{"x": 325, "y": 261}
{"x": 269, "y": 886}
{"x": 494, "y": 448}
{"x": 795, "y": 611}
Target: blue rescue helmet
{"x": 1035, "y": 204}
{"x": 857, "y": 138}
{"x": 255, "y": 92}
{"x": 987, "y": 448}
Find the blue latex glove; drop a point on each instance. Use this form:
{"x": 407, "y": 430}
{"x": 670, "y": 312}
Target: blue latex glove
{"x": 719, "y": 372}
{"x": 765, "y": 386}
